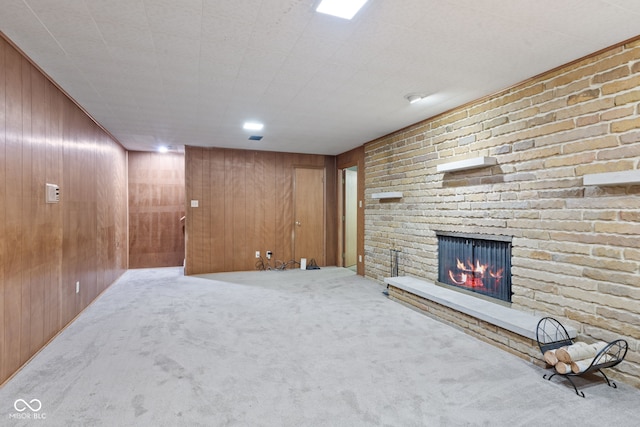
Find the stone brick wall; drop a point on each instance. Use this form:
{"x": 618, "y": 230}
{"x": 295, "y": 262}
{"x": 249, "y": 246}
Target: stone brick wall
{"x": 576, "y": 248}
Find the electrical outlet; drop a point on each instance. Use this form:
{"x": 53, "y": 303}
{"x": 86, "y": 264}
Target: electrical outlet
{"x": 269, "y": 253}
{"x": 257, "y": 254}
{"x": 77, "y": 287}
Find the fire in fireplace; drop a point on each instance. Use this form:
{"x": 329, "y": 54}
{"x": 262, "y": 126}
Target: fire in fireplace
{"x": 476, "y": 262}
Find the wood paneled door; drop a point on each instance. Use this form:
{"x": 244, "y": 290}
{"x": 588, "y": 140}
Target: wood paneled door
{"x": 309, "y": 208}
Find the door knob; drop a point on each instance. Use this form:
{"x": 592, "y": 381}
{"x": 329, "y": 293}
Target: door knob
{"x": 298, "y": 223}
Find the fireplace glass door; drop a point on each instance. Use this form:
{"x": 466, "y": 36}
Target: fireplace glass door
{"x": 476, "y": 264}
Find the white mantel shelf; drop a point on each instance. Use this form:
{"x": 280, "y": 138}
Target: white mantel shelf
{"x": 474, "y": 163}
{"x": 612, "y": 178}
{"x": 387, "y": 195}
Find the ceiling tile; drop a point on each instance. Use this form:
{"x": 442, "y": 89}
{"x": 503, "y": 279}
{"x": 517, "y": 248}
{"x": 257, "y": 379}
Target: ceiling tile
{"x": 191, "y": 71}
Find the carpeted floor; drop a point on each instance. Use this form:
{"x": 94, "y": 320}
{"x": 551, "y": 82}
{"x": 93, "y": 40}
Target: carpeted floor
{"x": 292, "y": 348}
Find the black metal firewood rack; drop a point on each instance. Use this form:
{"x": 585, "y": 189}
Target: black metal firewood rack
{"x": 551, "y": 335}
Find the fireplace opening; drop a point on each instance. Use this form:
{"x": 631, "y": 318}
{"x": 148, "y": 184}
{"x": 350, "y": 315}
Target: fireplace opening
{"x": 476, "y": 262}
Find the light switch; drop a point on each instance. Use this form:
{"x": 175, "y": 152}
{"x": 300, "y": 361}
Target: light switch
{"x": 194, "y": 203}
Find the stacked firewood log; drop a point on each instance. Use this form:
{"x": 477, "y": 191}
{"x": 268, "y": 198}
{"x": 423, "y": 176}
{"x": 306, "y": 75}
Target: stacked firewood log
{"x": 575, "y": 358}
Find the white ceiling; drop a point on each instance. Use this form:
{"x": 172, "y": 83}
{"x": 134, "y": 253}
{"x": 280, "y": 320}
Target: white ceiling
{"x": 190, "y": 72}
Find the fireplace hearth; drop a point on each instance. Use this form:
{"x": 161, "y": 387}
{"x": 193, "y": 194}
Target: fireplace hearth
{"x": 476, "y": 262}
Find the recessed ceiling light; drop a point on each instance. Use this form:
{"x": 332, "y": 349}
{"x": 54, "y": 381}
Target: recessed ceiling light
{"x": 341, "y": 8}
{"x": 163, "y": 149}
{"x": 252, "y": 126}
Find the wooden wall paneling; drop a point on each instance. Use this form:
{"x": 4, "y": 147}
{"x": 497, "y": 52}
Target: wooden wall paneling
{"x": 45, "y": 248}
{"x": 239, "y": 218}
{"x": 140, "y": 217}
{"x": 341, "y": 176}
{"x": 119, "y": 221}
{"x": 3, "y": 204}
{"x": 209, "y": 175}
{"x": 249, "y": 207}
{"x": 251, "y": 203}
{"x": 116, "y": 211}
{"x": 331, "y": 224}
{"x": 54, "y": 219}
{"x": 13, "y": 211}
{"x": 27, "y": 220}
{"x": 121, "y": 224}
{"x": 228, "y": 210}
{"x": 89, "y": 264}
{"x": 103, "y": 190}
{"x": 39, "y": 277}
{"x": 269, "y": 232}
{"x": 107, "y": 161}
{"x": 284, "y": 193}
{"x": 134, "y": 193}
{"x": 118, "y": 214}
{"x": 196, "y": 226}
{"x": 87, "y": 261}
{"x": 156, "y": 204}
{"x": 280, "y": 181}
{"x": 217, "y": 221}
{"x": 67, "y": 298}
{"x": 175, "y": 187}
{"x": 258, "y": 184}
{"x": 72, "y": 218}
{"x": 206, "y": 207}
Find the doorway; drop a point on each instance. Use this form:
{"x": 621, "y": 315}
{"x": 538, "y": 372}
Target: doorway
{"x": 351, "y": 218}
{"x": 309, "y": 215}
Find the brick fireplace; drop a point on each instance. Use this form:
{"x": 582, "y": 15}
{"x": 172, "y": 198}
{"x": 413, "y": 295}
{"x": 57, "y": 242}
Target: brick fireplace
{"x": 574, "y": 241}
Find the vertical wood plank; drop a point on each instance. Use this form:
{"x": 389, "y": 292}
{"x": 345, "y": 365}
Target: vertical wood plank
{"x": 228, "y": 210}
{"x": 196, "y": 259}
{"x": 27, "y": 211}
{"x": 54, "y": 211}
{"x": 39, "y": 277}
{"x": 3, "y": 203}
{"x": 287, "y": 219}
{"x": 217, "y": 217}
{"x": 103, "y": 187}
{"x": 259, "y": 188}
{"x": 250, "y": 217}
{"x": 280, "y": 191}
{"x": 331, "y": 213}
{"x": 269, "y": 203}
{"x": 239, "y": 217}
{"x": 208, "y": 209}
{"x": 13, "y": 211}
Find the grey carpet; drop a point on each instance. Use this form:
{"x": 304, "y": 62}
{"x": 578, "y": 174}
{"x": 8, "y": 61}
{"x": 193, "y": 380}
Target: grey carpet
{"x": 292, "y": 348}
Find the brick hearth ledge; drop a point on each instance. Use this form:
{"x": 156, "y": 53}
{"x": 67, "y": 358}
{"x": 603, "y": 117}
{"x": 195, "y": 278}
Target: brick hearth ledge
{"x": 507, "y": 318}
